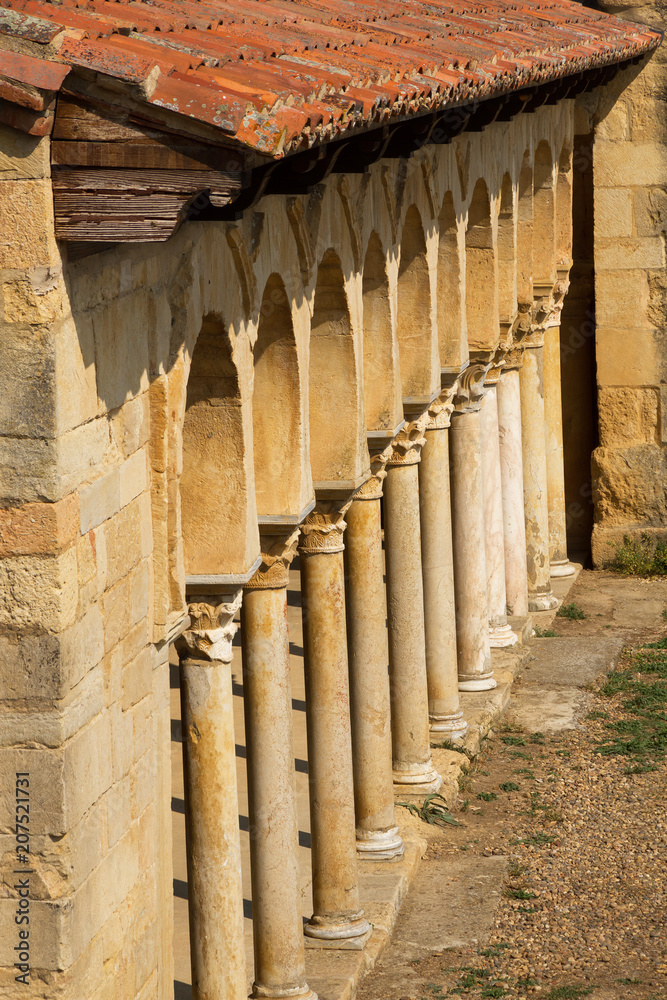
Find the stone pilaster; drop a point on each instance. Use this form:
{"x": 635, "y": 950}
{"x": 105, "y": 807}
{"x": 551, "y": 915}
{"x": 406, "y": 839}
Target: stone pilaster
{"x": 377, "y": 831}
{"x": 500, "y": 634}
{"x": 217, "y": 947}
{"x": 413, "y": 769}
{"x": 445, "y": 715}
{"x": 474, "y": 654}
{"x": 274, "y": 832}
{"x": 511, "y": 477}
{"x": 337, "y": 913}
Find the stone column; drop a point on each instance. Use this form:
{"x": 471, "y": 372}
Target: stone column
{"x": 377, "y": 831}
{"x": 445, "y": 715}
{"x": 511, "y": 476}
{"x": 500, "y": 633}
{"x": 472, "y": 619}
{"x": 274, "y": 833}
{"x": 536, "y": 508}
{"x": 553, "y": 420}
{"x": 337, "y": 913}
{"x": 217, "y": 947}
{"x": 413, "y": 769}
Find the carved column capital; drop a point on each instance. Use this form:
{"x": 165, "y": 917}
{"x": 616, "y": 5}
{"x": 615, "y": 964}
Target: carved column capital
{"x": 469, "y": 390}
{"x": 211, "y": 631}
{"x": 440, "y": 411}
{"x": 278, "y": 549}
{"x": 372, "y": 488}
{"x": 513, "y": 359}
{"x": 408, "y": 443}
{"x": 322, "y": 531}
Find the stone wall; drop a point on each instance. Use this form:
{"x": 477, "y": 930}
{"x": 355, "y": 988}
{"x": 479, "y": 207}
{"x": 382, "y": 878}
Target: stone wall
{"x": 630, "y": 178}
{"x": 135, "y": 398}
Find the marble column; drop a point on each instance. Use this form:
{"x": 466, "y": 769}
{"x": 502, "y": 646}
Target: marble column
{"x": 500, "y": 633}
{"x": 445, "y": 715}
{"x": 377, "y": 832}
{"x": 553, "y": 419}
{"x": 536, "y": 508}
{"x": 274, "y": 834}
{"x": 337, "y": 913}
{"x": 217, "y": 949}
{"x": 472, "y": 625}
{"x": 511, "y": 476}
{"x": 413, "y": 769}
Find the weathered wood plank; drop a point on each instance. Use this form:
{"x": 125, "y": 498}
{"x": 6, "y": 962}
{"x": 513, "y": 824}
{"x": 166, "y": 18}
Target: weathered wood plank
{"x": 144, "y": 153}
{"x": 139, "y": 182}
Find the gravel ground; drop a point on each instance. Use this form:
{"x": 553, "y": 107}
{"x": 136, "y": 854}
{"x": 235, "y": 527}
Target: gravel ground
{"x": 584, "y": 908}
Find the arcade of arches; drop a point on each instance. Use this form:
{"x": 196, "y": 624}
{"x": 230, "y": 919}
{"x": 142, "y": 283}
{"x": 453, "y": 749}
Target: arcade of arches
{"x": 365, "y": 378}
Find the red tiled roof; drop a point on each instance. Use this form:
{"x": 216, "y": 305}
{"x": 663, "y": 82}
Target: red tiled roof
{"x": 279, "y": 75}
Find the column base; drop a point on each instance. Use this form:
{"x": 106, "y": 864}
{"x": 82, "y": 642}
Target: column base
{"x": 454, "y": 727}
{"x": 424, "y": 781}
{"x": 542, "y": 602}
{"x": 277, "y": 993}
{"x": 337, "y": 930}
{"x": 502, "y": 635}
{"x": 484, "y": 683}
{"x": 561, "y": 568}
{"x": 384, "y": 845}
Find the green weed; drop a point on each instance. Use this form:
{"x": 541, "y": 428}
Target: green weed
{"x": 597, "y": 714}
{"x": 513, "y": 741}
{"x": 544, "y": 633}
{"x": 640, "y": 557}
{"x": 509, "y": 786}
{"x": 571, "y": 611}
{"x": 569, "y": 992}
{"x": 434, "y": 810}
{"x": 512, "y": 893}
{"x": 487, "y": 796}
{"x": 525, "y": 771}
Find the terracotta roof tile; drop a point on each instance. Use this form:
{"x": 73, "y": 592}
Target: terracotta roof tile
{"x": 279, "y": 75}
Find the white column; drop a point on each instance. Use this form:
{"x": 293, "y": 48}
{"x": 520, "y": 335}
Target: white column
{"x": 274, "y": 832}
{"x": 444, "y": 707}
{"x": 472, "y": 618}
{"x": 413, "y": 768}
{"x": 553, "y": 424}
{"x": 511, "y": 475}
{"x": 377, "y": 831}
{"x": 536, "y": 508}
{"x": 337, "y": 912}
{"x": 215, "y": 904}
{"x": 500, "y": 633}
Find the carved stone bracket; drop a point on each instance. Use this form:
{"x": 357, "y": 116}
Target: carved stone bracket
{"x": 278, "y": 550}
{"x": 408, "y": 443}
{"x": 211, "y": 631}
{"x": 322, "y": 531}
{"x": 470, "y": 389}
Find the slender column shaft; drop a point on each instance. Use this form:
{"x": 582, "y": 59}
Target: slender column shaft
{"x": 337, "y": 913}
{"x": 553, "y": 419}
{"x": 277, "y": 924}
{"x": 472, "y": 633}
{"x": 540, "y": 596}
{"x": 377, "y": 832}
{"x": 444, "y": 708}
{"x": 211, "y": 806}
{"x": 413, "y": 769}
{"x": 511, "y": 474}
{"x": 500, "y": 634}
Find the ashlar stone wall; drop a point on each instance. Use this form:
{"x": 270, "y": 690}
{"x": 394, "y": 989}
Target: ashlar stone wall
{"x": 629, "y": 120}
